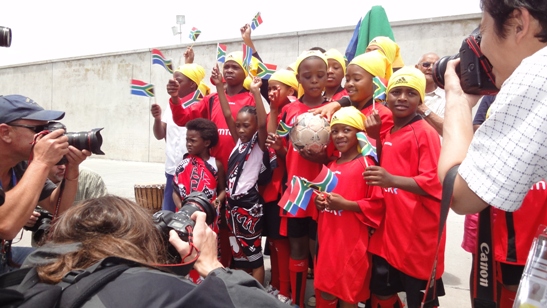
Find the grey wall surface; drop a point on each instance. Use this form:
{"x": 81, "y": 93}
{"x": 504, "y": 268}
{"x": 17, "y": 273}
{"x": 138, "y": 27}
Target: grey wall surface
{"x": 95, "y": 90}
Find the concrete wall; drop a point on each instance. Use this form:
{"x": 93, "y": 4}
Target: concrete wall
{"x": 95, "y": 90}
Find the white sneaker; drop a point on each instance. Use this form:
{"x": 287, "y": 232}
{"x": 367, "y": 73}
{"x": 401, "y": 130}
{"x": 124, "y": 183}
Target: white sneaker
{"x": 282, "y": 298}
{"x": 271, "y": 290}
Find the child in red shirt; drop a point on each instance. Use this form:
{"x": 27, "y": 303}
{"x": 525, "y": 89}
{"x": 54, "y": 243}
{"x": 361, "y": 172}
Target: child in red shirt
{"x": 345, "y": 217}
{"x": 405, "y": 243}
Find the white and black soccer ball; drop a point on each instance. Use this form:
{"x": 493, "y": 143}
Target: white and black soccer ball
{"x": 310, "y": 132}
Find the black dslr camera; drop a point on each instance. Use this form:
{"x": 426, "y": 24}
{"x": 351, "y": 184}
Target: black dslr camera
{"x": 91, "y": 140}
{"x": 475, "y": 71}
{"x": 41, "y": 227}
{"x": 183, "y": 224}
{"x": 5, "y": 37}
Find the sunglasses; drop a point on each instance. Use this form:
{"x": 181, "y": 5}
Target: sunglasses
{"x": 36, "y": 129}
{"x": 427, "y": 64}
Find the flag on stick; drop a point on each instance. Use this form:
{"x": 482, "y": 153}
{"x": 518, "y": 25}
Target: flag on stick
{"x": 158, "y": 58}
{"x": 265, "y": 71}
{"x": 142, "y": 88}
{"x": 194, "y": 99}
{"x": 257, "y": 21}
{"x": 366, "y": 147}
{"x": 194, "y": 34}
{"x": 221, "y": 53}
{"x": 247, "y": 56}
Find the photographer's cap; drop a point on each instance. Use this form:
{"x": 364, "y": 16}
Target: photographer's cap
{"x": 17, "y": 107}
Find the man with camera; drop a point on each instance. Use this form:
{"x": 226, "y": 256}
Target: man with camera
{"x": 24, "y": 136}
{"x": 508, "y": 153}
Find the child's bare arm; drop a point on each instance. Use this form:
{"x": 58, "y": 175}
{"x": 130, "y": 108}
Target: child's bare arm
{"x": 378, "y": 176}
{"x": 216, "y": 77}
{"x": 260, "y": 113}
{"x": 177, "y": 200}
{"x": 221, "y": 183}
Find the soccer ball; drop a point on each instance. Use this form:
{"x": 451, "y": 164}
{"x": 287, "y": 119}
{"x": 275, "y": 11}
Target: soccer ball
{"x": 310, "y": 132}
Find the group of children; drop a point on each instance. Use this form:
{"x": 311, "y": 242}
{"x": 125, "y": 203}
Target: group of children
{"x": 372, "y": 237}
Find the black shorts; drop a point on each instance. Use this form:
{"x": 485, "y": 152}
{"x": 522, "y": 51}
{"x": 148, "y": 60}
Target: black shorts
{"x": 299, "y": 227}
{"x": 510, "y": 274}
{"x": 387, "y": 280}
{"x": 272, "y": 221}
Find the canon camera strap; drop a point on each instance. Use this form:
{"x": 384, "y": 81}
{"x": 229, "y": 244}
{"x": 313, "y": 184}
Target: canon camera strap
{"x": 484, "y": 293}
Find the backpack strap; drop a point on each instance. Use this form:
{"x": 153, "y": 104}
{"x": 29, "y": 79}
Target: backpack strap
{"x": 91, "y": 280}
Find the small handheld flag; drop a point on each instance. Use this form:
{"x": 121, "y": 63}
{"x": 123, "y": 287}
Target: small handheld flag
{"x": 221, "y": 53}
{"x": 257, "y": 21}
{"x": 265, "y": 71}
{"x": 366, "y": 147}
{"x": 283, "y": 129}
{"x": 158, "y": 58}
{"x": 142, "y": 88}
{"x": 379, "y": 90}
{"x": 247, "y": 56}
{"x": 194, "y": 34}
{"x": 194, "y": 99}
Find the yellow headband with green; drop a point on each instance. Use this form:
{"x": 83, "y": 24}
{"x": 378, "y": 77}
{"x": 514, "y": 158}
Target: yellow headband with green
{"x": 285, "y": 77}
{"x": 408, "y": 76}
{"x": 375, "y": 63}
{"x": 390, "y": 49}
{"x": 338, "y": 56}
{"x": 193, "y": 71}
{"x": 349, "y": 116}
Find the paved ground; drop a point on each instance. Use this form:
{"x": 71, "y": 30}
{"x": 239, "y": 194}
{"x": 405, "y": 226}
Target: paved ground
{"x": 120, "y": 178}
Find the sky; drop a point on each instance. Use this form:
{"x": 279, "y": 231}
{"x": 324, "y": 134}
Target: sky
{"x": 55, "y": 29}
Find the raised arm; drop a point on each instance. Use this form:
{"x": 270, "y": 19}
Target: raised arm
{"x": 216, "y": 77}
{"x": 260, "y": 113}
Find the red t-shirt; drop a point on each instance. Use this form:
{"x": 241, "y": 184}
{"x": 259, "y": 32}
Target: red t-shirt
{"x": 515, "y": 231}
{"x": 407, "y": 237}
{"x": 295, "y": 163}
{"x": 338, "y": 95}
{"x": 343, "y": 263}
{"x": 201, "y": 109}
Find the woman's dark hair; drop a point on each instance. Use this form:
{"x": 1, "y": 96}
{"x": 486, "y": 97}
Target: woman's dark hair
{"x": 104, "y": 227}
{"x": 501, "y": 11}
{"x": 207, "y": 129}
{"x": 318, "y": 49}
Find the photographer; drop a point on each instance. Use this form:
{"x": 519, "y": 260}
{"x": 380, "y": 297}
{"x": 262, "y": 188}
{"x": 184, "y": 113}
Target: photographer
{"x": 114, "y": 226}
{"x": 22, "y": 122}
{"x": 508, "y": 153}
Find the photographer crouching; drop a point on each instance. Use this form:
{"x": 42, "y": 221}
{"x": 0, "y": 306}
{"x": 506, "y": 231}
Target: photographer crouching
{"x": 27, "y": 153}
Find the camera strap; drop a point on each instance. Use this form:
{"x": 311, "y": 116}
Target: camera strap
{"x": 448, "y": 187}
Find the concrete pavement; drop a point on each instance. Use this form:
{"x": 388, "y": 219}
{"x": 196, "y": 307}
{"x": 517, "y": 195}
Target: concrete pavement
{"x": 121, "y": 176}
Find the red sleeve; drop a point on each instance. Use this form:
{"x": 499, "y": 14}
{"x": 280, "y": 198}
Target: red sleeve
{"x": 372, "y": 206}
{"x": 198, "y": 110}
{"x": 429, "y": 148}
{"x": 387, "y": 121}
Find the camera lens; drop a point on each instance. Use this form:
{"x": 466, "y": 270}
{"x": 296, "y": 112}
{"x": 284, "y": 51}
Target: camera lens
{"x": 439, "y": 68}
{"x": 5, "y": 37}
{"x": 91, "y": 140}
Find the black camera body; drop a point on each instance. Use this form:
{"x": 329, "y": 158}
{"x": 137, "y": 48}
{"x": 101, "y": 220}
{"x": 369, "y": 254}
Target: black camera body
{"x": 41, "y": 227}
{"x": 474, "y": 71}
{"x": 183, "y": 224}
{"x": 91, "y": 140}
{"x": 5, "y": 37}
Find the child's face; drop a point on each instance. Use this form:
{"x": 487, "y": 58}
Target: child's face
{"x": 312, "y": 75}
{"x": 195, "y": 144}
{"x": 403, "y": 101}
{"x": 246, "y": 126}
{"x": 358, "y": 84}
{"x": 186, "y": 85}
{"x": 344, "y": 137}
{"x": 233, "y": 73}
{"x": 335, "y": 74}
{"x": 284, "y": 91}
